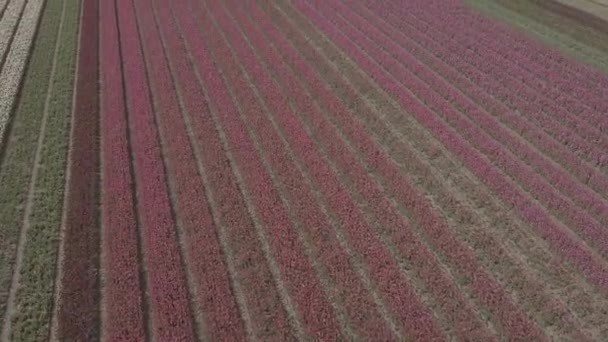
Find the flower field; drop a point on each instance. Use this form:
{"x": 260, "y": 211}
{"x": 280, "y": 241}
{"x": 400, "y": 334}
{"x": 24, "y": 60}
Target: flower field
{"x": 231, "y": 170}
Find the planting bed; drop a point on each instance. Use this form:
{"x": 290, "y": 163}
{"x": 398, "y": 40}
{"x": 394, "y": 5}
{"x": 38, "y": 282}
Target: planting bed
{"x": 303, "y": 170}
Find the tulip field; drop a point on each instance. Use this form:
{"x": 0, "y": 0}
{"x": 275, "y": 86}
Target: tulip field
{"x": 317, "y": 170}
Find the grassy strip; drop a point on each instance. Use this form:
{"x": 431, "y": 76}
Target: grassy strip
{"x": 78, "y": 304}
{"x": 21, "y": 148}
{"x": 35, "y": 295}
{"x": 566, "y": 44}
{"x": 16, "y": 60}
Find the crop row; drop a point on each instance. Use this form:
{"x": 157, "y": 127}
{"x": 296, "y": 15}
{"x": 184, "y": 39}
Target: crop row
{"x": 301, "y": 291}
{"x": 9, "y": 21}
{"x": 480, "y": 137}
{"x": 479, "y": 165}
{"x": 210, "y": 274}
{"x": 475, "y": 230}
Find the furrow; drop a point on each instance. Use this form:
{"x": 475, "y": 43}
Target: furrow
{"x": 464, "y": 119}
{"x": 77, "y": 306}
{"x": 15, "y": 63}
{"x": 321, "y": 229}
{"x": 170, "y": 314}
{"x": 210, "y": 279}
{"x": 473, "y": 228}
{"x": 20, "y": 154}
{"x": 529, "y": 210}
{"x": 123, "y": 284}
{"x": 257, "y": 293}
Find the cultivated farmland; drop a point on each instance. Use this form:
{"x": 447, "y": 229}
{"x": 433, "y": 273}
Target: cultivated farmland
{"x": 232, "y": 170}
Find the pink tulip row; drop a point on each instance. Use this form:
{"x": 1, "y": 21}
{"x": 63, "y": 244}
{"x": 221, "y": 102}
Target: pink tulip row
{"x": 505, "y": 188}
{"x": 475, "y": 84}
{"x": 481, "y": 237}
{"x": 256, "y": 289}
{"x": 455, "y": 252}
{"x": 209, "y": 272}
{"x": 356, "y": 298}
{"x": 582, "y": 91}
{"x": 303, "y": 290}
{"x": 360, "y": 233}
{"x": 532, "y": 96}
{"x": 586, "y": 198}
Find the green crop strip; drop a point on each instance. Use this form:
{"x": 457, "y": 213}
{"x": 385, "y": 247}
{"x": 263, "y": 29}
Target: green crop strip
{"x": 35, "y": 295}
{"x": 15, "y": 172}
{"x": 565, "y": 43}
